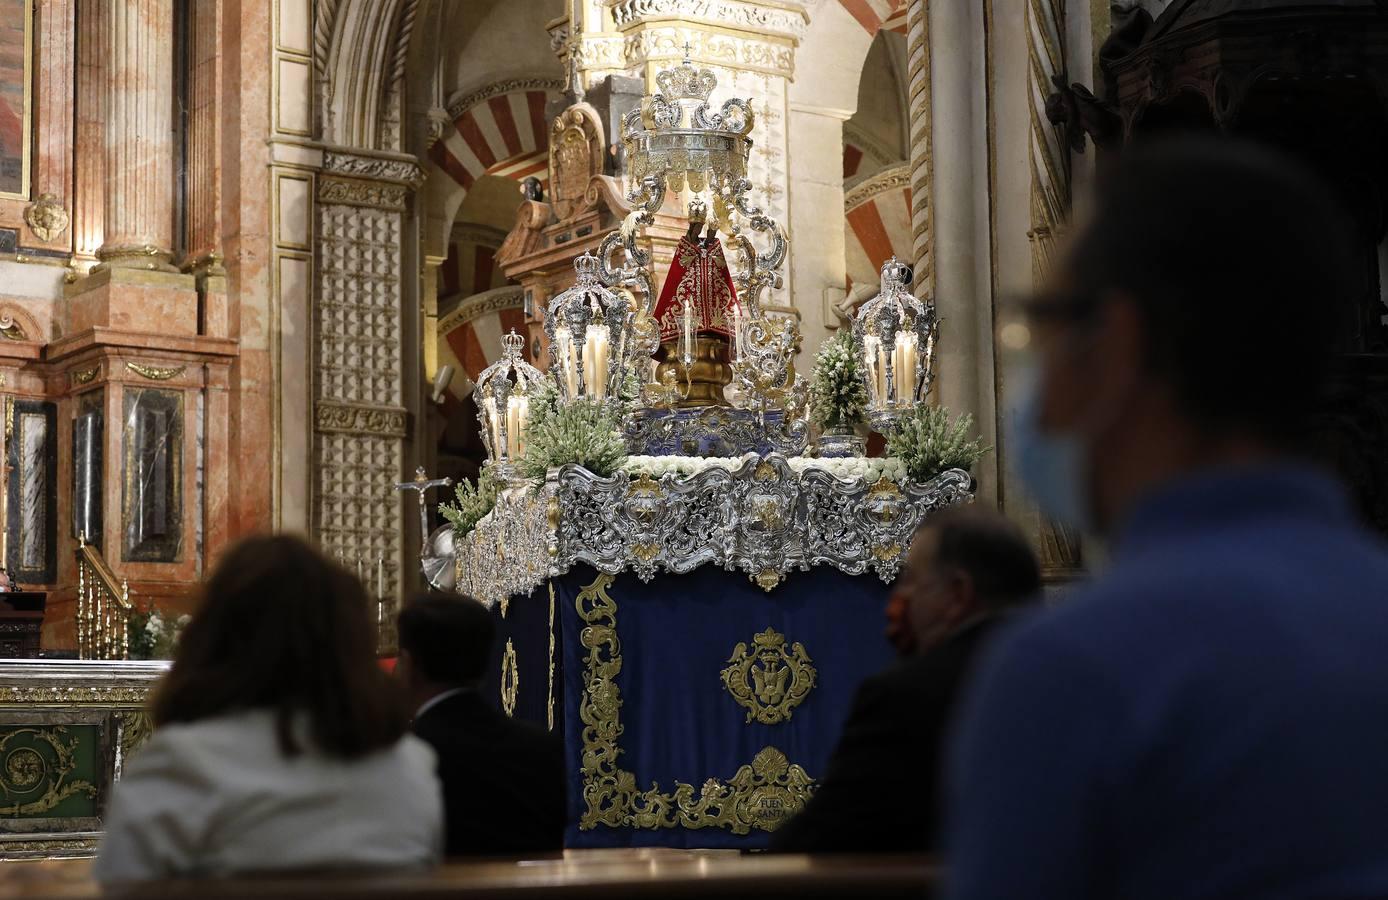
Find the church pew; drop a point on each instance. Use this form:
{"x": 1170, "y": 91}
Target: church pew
{"x": 608, "y": 876}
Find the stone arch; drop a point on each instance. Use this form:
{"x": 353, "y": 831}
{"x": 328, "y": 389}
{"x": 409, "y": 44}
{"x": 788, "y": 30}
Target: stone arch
{"x": 360, "y": 54}
{"x": 877, "y": 15}
{"x": 501, "y": 129}
{"x": 877, "y": 223}
{"x": 472, "y": 331}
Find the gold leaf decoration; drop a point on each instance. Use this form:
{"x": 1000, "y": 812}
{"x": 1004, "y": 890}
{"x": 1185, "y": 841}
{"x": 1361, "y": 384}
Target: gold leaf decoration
{"x": 156, "y": 373}
{"x": 86, "y": 376}
{"x": 35, "y": 769}
{"x": 770, "y": 679}
{"x": 760, "y": 795}
{"x": 510, "y": 679}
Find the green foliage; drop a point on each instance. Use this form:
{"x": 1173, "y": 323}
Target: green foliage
{"x": 474, "y": 502}
{"x": 929, "y": 443}
{"x": 838, "y": 393}
{"x": 585, "y": 432}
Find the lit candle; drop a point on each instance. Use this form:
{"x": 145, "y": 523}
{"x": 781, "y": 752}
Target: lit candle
{"x": 688, "y": 329}
{"x": 513, "y": 426}
{"x": 566, "y": 360}
{"x": 882, "y": 374}
{"x": 905, "y": 367}
{"x": 595, "y": 356}
{"x": 494, "y": 426}
{"x": 381, "y": 579}
{"x": 870, "y": 357}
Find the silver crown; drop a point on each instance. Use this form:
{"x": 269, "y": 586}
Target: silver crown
{"x": 586, "y": 266}
{"x": 895, "y": 271}
{"x": 685, "y": 82}
{"x": 512, "y": 344}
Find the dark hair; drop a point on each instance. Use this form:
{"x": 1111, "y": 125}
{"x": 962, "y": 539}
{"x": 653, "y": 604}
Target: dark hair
{"x": 991, "y": 549}
{"x": 449, "y": 637}
{"x": 281, "y": 627}
{"x": 1239, "y": 261}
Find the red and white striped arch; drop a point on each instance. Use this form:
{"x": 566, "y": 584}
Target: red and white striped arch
{"x": 878, "y": 15}
{"x": 506, "y": 134}
{"x": 470, "y": 335}
{"x": 877, "y": 224}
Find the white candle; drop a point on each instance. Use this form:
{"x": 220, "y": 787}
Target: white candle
{"x": 567, "y": 363}
{"x": 381, "y": 579}
{"x": 737, "y": 332}
{"x": 688, "y": 335}
{"x": 512, "y": 427}
{"x": 870, "y": 357}
{"x": 522, "y": 416}
{"x": 588, "y": 362}
{"x": 905, "y": 367}
{"x": 595, "y": 357}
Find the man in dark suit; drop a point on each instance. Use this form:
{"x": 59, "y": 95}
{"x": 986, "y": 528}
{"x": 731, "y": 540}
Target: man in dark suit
{"x": 503, "y": 780}
{"x": 966, "y": 568}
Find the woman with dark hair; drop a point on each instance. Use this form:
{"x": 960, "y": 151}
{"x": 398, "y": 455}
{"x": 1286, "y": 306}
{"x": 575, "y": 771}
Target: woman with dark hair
{"x": 279, "y": 743}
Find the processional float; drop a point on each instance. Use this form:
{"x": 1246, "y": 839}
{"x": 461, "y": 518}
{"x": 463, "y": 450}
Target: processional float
{"x": 714, "y": 509}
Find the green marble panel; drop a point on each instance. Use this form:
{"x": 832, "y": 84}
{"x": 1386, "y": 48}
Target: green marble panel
{"x": 50, "y": 771}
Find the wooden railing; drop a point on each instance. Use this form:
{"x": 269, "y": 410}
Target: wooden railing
{"x": 103, "y": 608}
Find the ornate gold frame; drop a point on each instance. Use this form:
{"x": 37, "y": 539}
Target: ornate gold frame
{"x": 27, "y": 113}
{"x": 760, "y": 795}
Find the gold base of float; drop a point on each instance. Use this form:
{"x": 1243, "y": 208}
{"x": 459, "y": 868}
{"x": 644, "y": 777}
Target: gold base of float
{"x": 709, "y": 374}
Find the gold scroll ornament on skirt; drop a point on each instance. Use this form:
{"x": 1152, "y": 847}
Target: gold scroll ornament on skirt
{"x": 770, "y": 679}
{"x": 760, "y": 795}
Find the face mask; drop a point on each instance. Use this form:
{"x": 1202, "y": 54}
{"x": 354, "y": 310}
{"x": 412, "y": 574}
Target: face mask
{"x": 1055, "y": 466}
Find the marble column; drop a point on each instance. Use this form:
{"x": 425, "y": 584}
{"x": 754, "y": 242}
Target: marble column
{"x": 1050, "y": 208}
{"x": 88, "y": 192}
{"x": 958, "y": 262}
{"x": 918, "y": 76}
{"x": 138, "y": 45}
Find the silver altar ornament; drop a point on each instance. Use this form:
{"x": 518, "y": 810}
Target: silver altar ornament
{"x": 503, "y": 403}
{"x": 675, "y": 136}
{"x": 895, "y": 332}
{"x": 675, "y": 140}
{"x": 590, "y": 336}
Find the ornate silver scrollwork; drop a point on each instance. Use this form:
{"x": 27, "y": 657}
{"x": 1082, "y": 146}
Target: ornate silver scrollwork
{"x": 762, "y": 518}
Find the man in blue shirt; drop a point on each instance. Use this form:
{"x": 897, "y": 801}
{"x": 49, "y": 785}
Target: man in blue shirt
{"x": 1209, "y": 718}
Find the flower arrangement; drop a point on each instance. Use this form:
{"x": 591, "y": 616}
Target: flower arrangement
{"x": 848, "y": 468}
{"x": 928, "y": 442}
{"x": 586, "y": 432}
{"x": 838, "y": 392}
{"x": 474, "y": 502}
{"x": 152, "y": 636}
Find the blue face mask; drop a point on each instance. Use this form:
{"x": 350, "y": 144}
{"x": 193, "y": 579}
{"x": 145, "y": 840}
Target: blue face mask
{"x": 1053, "y": 467}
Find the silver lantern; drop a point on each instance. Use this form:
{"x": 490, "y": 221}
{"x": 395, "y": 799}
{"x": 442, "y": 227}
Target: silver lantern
{"x": 895, "y": 332}
{"x": 590, "y": 336}
{"x": 503, "y": 403}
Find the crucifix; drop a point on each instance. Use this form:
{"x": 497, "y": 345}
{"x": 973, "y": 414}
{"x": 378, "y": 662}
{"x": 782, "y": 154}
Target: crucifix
{"x": 420, "y": 485}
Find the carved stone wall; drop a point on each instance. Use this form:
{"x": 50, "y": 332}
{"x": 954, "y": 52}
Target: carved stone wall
{"x": 359, "y": 406}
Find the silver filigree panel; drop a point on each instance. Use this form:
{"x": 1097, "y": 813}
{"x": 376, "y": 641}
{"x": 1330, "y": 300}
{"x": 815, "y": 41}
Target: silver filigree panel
{"x": 762, "y": 519}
